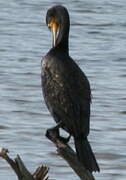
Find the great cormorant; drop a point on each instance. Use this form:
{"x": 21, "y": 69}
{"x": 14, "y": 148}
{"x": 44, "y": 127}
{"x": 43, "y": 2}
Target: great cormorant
{"x": 66, "y": 88}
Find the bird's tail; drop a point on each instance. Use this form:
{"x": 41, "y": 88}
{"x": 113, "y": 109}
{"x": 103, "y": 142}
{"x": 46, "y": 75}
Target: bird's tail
{"x": 85, "y": 154}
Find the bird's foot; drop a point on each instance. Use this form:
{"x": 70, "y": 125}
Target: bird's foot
{"x": 52, "y": 133}
{"x": 64, "y": 140}
{"x": 54, "y": 130}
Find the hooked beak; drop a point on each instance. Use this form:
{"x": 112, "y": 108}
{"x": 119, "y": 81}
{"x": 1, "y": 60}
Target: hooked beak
{"x": 54, "y": 27}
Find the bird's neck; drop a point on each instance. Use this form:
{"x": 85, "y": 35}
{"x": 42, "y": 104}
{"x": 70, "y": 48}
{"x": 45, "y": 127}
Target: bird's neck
{"x": 63, "y": 38}
{"x": 63, "y": 45}
{"x": 61, "y": 50}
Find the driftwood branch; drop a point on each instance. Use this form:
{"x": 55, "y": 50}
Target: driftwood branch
{"x": 20, "y": 169}
{"x": 70, "y": 156}
{"x": 41, "y": 172}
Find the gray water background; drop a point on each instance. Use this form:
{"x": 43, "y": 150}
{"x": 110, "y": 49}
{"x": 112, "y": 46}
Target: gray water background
{"x": 98, "y": 44}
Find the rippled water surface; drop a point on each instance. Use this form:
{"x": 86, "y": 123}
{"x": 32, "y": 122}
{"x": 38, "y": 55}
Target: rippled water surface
{"x": 98, "y": 44}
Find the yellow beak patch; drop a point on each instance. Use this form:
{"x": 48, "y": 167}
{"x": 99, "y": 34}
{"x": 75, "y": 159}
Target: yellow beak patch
{"x": 54, "y": 26}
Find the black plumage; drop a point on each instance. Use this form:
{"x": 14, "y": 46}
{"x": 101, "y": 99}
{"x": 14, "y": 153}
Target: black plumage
{"x": 66, "y": 89}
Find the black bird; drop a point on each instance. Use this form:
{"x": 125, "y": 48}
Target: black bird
{"x": 66, "y": 89}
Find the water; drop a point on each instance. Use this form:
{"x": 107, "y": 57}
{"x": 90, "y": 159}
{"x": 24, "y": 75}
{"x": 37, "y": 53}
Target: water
{"x": 97, "y": 43}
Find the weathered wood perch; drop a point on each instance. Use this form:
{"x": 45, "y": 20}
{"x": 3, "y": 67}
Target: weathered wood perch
{"x": 70, "y": 156}
{"x": 41, "y": 172}
{"x": 20, "y": 169}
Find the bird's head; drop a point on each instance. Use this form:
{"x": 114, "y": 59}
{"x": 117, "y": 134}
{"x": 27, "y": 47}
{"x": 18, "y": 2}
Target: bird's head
{"x": 57, "y": 20}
